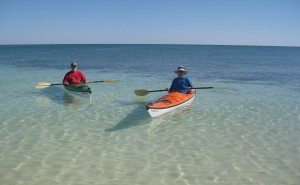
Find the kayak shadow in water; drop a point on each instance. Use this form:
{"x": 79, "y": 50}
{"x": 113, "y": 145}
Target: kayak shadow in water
{"x": 138, "y": 116}
{"x": 53, "y": 94}
{"x": 57, "y": 95}
{"x": 71, "y": 100}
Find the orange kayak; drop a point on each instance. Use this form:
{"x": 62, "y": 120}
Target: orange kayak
{"x": 170, "y": 102}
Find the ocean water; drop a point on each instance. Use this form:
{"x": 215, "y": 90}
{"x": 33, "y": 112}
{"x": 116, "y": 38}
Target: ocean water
{"x": 246, "y": 130}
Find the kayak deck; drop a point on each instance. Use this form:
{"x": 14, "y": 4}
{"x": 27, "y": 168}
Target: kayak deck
{"x": 81, "y": 90}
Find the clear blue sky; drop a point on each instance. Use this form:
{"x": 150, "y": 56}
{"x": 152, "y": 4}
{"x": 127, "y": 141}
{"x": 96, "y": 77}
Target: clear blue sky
{"x": 228, "y": 22}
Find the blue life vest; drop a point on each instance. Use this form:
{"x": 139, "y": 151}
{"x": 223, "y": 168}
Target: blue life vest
{"x": 180, "y": 84}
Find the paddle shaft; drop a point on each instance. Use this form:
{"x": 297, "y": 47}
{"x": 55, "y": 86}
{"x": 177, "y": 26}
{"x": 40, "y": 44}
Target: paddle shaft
{"x": 201, "y": 87}
{"x": 159, "y": 90}
{"x": 97, "y": 81}
{"x": 143, "y": 92}
{"x": 191, "y": 88}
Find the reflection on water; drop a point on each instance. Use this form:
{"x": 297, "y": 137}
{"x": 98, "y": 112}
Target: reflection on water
{"x": 72, "y": 101}
{"x": 69, "y": 99}
{"x": 43, "y": 100}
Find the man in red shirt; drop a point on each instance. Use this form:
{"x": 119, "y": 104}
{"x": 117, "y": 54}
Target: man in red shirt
{"x": 74, "y": 76}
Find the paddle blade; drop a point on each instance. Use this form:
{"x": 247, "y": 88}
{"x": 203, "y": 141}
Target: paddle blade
{"x": 141, "y": 92}
{"x": 42, "y": 85}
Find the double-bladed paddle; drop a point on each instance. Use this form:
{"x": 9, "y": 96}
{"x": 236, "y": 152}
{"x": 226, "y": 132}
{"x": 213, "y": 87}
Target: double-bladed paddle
{"x": 42, "y": 85}
{"x": 143, "y": 92}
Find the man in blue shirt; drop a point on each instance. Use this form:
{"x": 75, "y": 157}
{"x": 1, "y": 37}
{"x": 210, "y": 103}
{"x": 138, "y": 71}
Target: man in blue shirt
{"x": 181, "y": 84}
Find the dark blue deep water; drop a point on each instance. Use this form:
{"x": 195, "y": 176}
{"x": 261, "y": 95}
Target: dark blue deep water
{"x": 269, "y": 65}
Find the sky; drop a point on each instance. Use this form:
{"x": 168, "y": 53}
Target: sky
{"x": 220, "y": 22}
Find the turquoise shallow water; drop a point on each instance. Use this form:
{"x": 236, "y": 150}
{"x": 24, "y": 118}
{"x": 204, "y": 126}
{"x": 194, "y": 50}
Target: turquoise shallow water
{"x": 244, "y": 131}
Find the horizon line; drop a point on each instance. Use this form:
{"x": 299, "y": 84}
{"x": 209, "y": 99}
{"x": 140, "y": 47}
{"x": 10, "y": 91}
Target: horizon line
{"x": 149, "y": 44}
